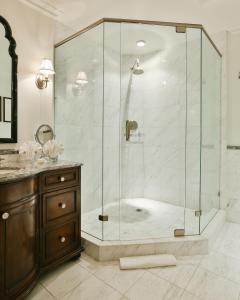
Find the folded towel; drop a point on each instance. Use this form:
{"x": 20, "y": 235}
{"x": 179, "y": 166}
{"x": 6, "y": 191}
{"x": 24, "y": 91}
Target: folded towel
{"x": 147, "y": 261}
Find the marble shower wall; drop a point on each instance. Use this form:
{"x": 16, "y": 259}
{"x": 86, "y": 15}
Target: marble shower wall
{"x": 153, "y": 162}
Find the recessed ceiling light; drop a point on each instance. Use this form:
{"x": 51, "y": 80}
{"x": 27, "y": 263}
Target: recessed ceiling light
{"x": 140, "y": 43}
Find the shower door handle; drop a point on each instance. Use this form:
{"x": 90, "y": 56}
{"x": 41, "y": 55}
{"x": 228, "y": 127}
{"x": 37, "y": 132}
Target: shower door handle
{"x": 130, "y": 125}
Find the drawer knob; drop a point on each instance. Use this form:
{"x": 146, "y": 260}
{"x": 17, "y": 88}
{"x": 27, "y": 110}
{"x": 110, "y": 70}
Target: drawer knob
{"x": 5, "y": 216}
{"x": 62, "y": 239}
{"x": 62, "y": 178}
{"x": 62, "y": 205}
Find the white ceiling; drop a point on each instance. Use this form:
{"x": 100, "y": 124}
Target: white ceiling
{"x": 215, "y": 15}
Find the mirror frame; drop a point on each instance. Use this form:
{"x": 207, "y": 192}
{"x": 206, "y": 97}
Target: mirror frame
{"x": 13, "y": 55}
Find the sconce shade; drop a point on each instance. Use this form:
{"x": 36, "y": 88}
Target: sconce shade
{"x": 81, "y": 78}
{"x": 46, "y": 67}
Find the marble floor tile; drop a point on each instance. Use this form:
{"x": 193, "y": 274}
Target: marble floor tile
{"x": 187, "y": 296}
{"x": 174, "y": 293}
{"x": 89, "y": 263}
{"x": 121, "y": 280}
{"x": 228, "y": 241}
{"x": 64, "y": 279}
{"x": 208, "y": 286}
{"x": 222, "y": 265}
{"x": 40, "y": 293}
{"x": 149, "y": 287}
{"x": 203, "y": 277}
{"x": 181, "y": 274}
{"x": 93, "y": 289}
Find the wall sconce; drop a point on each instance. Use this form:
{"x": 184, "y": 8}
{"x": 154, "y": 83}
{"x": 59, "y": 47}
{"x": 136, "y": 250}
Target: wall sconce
{"x": 45, "y": 70}
{"x": 80, "y": 83}
{"x": 81, "y": 79}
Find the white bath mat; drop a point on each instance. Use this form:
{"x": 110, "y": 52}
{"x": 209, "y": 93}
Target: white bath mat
{"x": 147, "y": 261}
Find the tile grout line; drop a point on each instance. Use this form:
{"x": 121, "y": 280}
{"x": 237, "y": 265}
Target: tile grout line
{"x": 147, "y": 271}
{"x": 123, "y": 294}
{"x": 72, "y": 288}
{"x": 47, "y": 290}
{"x": 195, "y": 271}
{"x": 216, "y": 274}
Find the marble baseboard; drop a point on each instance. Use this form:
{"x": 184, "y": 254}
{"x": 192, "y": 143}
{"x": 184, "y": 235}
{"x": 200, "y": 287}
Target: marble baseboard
{"x": 181, "y": 246}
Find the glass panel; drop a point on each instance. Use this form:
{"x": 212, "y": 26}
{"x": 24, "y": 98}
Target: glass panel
{"x": 153, "y": 121}
{"x": 193, "y": 130}
{"x": 78, "y": 116}
{"x": 210, "y": 144}
{"x": 111, "y": 131}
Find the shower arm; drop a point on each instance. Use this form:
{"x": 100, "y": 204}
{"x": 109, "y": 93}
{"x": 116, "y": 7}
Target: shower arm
{"x": 137, "y": 62}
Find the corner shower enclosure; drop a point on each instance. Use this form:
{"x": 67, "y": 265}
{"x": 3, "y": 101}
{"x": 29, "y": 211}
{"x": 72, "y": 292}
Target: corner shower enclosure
{"x": 138, "y": 103}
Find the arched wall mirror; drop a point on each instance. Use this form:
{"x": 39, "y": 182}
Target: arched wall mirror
{"x": 8, "y": 84}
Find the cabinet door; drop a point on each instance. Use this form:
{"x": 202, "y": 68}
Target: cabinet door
{"x": 19, "y": 245}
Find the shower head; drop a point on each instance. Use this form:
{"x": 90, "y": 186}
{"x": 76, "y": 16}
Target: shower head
{"x": 136, "y": 68}
{"x": 138, "y": 71}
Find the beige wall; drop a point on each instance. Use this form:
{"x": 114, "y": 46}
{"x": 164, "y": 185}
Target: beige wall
{"x": 34, "y": 34}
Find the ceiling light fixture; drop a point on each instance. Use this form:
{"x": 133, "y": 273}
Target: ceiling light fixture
{"x": 141, "y": 43}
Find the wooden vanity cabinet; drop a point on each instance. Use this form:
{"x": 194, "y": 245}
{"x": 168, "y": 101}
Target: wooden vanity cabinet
{"x": 39, "y": 228}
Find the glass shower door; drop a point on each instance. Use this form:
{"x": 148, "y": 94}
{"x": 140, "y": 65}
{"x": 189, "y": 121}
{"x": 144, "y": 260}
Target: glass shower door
{"x": 193, "y": 132}
{"x": 210, "y": 136}
{"x": 79, "y": 117}
{"x": 153, "y": 135}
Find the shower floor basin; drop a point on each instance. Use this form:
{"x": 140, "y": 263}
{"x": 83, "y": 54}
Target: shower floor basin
{"x": 141, "y": 218}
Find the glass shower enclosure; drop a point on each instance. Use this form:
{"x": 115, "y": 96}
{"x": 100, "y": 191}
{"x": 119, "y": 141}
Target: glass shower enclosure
{"x": 138, "y": 103}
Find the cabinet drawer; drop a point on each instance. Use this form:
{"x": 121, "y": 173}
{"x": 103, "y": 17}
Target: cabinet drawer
{"x": 60, "y": 203}
{"x": 60, "y": 179}
{"x": 61, "y": 240}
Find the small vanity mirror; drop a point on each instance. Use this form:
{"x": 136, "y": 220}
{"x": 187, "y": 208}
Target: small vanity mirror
{"x": 8, "y": 84}
{"x": 44, "y": 134}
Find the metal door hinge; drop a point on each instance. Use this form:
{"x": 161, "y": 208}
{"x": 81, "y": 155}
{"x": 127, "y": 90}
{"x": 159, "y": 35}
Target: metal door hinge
{"x": 179, "y": 232}
{"x": 181, "y": 29}
{"x": 198, "y": 213}
{"x": 103, "y": 218}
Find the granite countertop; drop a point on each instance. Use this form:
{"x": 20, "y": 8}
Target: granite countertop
{"x": 18, "y": 170}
